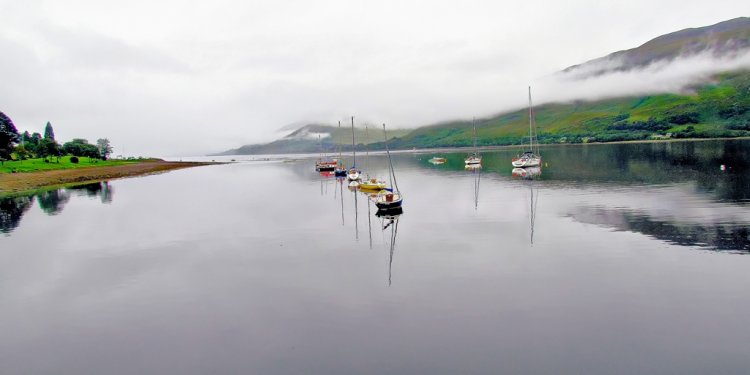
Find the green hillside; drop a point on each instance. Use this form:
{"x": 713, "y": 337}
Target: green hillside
{"x": 718, "y": 109}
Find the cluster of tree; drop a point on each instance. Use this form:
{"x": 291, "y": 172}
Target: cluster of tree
{"x": 652, "y": 125}
{"x": 27, "y": 145}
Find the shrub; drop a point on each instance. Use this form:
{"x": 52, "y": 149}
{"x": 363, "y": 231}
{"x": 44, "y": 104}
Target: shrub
{"x": 74, "y": 159}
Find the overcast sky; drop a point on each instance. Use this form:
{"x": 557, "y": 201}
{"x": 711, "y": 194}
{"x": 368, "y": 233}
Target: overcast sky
{"x": 165, "y": 78}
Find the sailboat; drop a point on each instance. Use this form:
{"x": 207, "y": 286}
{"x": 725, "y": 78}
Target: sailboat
{"x": 324, "y": 164}
{"x": 389, "y": 198}
{"x": 369, "y": 183}
{"x": 474, "y": 159}
{"x": 353, "y": 174}
{"x": 339, "y": 171}
{"x": 529, "y": 158}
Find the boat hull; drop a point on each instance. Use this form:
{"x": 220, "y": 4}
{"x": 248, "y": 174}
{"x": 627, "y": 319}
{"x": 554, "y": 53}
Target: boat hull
{"x": 388, "y": 200}
{"x": 372, "y": 184}
{"x": 353, "y": 175}
{"x": 526, "y": 162}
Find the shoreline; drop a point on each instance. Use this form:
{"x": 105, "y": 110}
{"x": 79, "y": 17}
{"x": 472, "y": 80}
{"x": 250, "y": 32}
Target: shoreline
{"x": 306, "y": 155}
{"x": 22, "y": 183}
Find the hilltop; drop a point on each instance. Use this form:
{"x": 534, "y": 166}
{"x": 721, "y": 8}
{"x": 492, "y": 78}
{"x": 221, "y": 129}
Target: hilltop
{"x": 724, "y": 39}
{"x": 718, "y": 106}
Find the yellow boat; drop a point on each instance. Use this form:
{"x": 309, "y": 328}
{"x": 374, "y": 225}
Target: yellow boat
{"x": 372, "y": 184}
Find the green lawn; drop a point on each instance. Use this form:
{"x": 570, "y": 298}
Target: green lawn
{"x": 33, "y": 165}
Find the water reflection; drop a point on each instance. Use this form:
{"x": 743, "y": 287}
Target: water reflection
{"x": 389, "y": 219}
{"x": 11, "y": 212}
{"x": 733, "y": 237}
{"x": 51, "y": 202}
{"x": 476, "y": 171}
{"x": 528, "y": 173}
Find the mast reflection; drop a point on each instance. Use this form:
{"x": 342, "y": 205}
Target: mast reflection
{"x": 530, "y": 174}
{"x": 389, "y": 219}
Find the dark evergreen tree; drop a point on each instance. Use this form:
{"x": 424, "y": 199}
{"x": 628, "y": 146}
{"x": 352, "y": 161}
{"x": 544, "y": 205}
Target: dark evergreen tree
{"x": 8, "y": 136}
{"x": 48, "y": 132}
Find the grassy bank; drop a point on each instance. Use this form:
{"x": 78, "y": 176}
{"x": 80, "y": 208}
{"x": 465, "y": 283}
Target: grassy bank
{"x": 64, "y": 162}
{"x": 67, "y": 175}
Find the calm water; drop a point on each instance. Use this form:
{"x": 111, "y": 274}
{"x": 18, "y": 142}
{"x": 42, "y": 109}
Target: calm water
{"x": 618, "y": 259}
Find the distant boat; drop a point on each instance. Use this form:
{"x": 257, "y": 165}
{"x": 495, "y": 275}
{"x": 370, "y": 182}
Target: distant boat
{"x": 353, "y": 174}
{"x": 474, "y": 159}
{"x": 324, "y": 164}
{"x": 529, "y": 158}
{"x": 340, "y": 170}
{"x": 390, "y": 198}
{"x": 437, "y": 160}
{"x": 370, "y": 183}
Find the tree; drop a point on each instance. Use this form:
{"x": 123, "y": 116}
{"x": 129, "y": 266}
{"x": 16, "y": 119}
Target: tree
{"x": 81, "y": 147}
{"x": 8, "y": 136}
{"x": 33, "y": 143}
{"x": 48, "y": 147}
{"x": 48, "y": 132}
{"x": 22, "y": 153}
{"x": 102, "y": 144}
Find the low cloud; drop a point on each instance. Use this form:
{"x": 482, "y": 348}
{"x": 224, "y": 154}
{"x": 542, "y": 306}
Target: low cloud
{"x": 675, "y": 76}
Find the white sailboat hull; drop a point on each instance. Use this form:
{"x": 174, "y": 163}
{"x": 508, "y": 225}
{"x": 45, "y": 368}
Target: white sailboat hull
{"x": 527, "y": 162}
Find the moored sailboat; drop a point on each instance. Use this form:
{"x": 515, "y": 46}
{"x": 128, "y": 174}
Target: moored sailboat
{"x": 529, "y": 158}
{"x": 370, "y": 183}
{"x": 324, "y": 164}
{"x": 390, "y": 198}
{"x": 353, "y": 174}
{"x": 340, "y": 170}
{"x": 474, "y": 159}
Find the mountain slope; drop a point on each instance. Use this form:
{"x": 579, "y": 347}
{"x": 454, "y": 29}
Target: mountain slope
{"x": 724, "y": 39}
{"x": 305, "y": 140}
{"x": 717, "y": 109}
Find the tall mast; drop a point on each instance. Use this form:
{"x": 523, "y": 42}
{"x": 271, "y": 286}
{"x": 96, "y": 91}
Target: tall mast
{"x": 321, "y": 147}
{"x": 391, "y": 174}
{"x": 354, "y": 149}
{"x": 367, "y": 151}
{"x": 339, "y": 142}
{"x": 473, "y": 123}
{"x": 531, "y": 120}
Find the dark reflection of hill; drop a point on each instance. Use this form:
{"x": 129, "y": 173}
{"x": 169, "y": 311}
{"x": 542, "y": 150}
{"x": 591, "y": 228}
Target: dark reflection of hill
{"x": 11, "y": 212}
{"x": 710, "y": 236}
{"x": 51, "y": 202}
{"x": 633, "y": 163}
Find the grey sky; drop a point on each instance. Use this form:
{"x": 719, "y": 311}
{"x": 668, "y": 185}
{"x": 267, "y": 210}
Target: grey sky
{"x": 188, "y": 77}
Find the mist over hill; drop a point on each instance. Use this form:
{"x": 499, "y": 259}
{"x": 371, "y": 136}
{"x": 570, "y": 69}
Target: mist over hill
{"x": 692, "y": 83}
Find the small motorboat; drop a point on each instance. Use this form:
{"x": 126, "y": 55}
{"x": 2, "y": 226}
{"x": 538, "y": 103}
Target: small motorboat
{"x": 438, "y": 160}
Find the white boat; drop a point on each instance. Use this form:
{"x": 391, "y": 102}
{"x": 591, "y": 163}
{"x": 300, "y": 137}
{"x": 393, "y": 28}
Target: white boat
{"x": 474, "y": 159}
{"x": 529, "y": 158}
{"x": 438, "y": 160}
{"x": 390, "y": 198}
{"x": 354, "y": 173}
